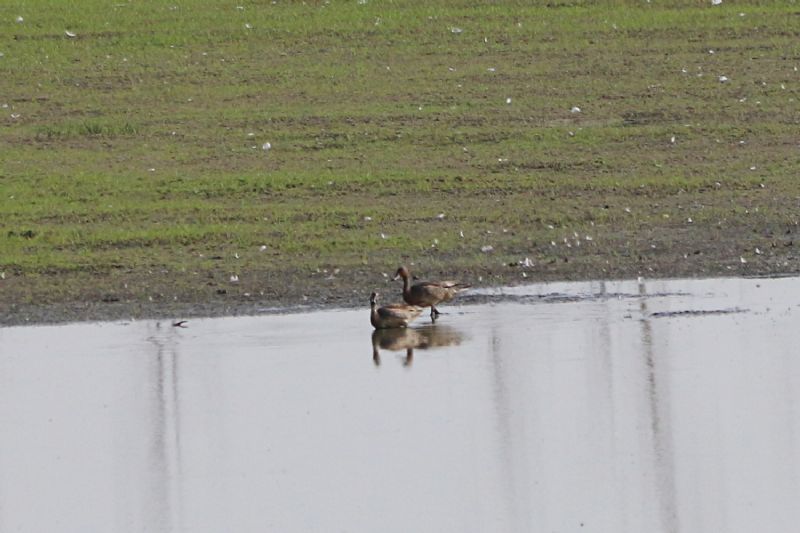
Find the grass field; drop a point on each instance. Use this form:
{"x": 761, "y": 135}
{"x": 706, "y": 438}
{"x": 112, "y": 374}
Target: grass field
{"x": 596, "y": 139}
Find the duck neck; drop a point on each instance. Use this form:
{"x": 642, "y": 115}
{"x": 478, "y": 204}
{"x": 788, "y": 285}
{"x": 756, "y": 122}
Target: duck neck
{"x": 373, "y": 315}
{"x": 406, "y": 285}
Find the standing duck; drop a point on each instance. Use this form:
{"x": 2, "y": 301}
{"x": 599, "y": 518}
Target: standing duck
{"x": 392, "y": 315}
{"x": 428, "y": 293}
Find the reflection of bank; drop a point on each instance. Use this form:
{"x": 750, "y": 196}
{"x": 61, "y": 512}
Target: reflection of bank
{"x": 409, "y": 339}
{"x": 163, "y": 501}
{"x": 660, "y": 415}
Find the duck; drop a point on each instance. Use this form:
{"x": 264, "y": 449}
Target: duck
{"x": 392, "y": 315}
{"x": 428, "y": 293}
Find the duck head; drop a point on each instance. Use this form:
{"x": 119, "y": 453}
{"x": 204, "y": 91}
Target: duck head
{"x": 402, "y": 272}
{"x": 373, "y": 299}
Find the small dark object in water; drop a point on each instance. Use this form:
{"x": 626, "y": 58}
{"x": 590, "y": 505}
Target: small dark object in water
{"x": 180, "y": 323}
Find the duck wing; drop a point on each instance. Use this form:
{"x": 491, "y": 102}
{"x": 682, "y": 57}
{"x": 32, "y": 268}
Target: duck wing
{"x": 457, "y": 285}
{"x": 433, "y": 292}
{"x": 425, "y": 293}
{"x": 399, "y": 311}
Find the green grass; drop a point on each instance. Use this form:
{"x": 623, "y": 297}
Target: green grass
{"x": 135, "y": 146}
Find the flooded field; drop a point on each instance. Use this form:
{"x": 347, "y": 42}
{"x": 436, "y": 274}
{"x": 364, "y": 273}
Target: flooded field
{"x": 612, "y": 407}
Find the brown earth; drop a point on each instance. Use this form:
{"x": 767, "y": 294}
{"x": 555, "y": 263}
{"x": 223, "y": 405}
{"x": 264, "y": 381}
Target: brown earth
{"x": 668, "y": 254}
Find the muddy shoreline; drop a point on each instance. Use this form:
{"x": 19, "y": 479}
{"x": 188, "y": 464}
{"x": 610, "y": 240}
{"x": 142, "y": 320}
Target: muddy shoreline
{"x": 305, "y": 293}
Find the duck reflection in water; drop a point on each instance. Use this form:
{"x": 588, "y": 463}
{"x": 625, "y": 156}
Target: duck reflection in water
{"x": 409, "y": 339}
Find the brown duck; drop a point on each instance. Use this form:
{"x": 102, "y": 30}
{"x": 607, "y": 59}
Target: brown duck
{"x": 392, "y": 315}
{"x": 428, "y": 293}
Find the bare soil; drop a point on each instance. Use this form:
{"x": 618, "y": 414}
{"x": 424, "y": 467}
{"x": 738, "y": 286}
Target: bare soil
{"x": 183, "y": 296}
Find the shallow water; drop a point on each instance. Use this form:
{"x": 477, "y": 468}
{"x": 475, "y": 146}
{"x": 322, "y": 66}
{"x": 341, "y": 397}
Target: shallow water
{"x": 654, "y": 406}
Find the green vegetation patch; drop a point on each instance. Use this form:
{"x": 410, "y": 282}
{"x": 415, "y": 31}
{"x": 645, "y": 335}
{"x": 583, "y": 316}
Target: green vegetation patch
{"x": 179, "y": 145}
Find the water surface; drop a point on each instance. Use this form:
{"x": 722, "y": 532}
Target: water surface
{"x": 612, "y": 407}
